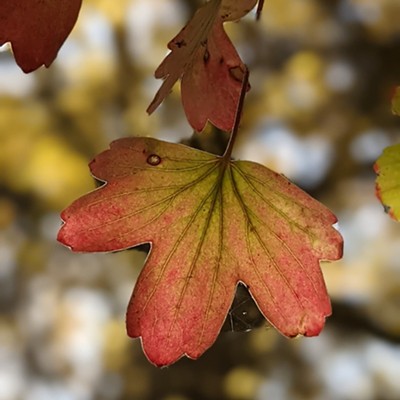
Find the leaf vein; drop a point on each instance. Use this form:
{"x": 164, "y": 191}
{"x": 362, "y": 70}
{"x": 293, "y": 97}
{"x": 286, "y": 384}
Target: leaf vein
{"x": 176, "y": 245}
{"x": 271, "y": 205}
{"x": 250, "y": 224}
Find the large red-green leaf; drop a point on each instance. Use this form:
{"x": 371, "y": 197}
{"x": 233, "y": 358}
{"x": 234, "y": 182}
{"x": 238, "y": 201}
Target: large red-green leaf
{"x": 388, "y": 181}
{"x": 211, "y": 223}
{"x": 36, "y": 29}
{"x": 208, "y": 64}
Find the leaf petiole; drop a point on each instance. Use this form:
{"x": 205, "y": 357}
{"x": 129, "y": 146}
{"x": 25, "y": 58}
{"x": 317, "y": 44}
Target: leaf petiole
{"x": 259, "y": 9}
{"x": 228, "y": 152}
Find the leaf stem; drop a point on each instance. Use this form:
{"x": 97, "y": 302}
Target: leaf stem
{"x": 259, "y": 9}
{"x": 228, "y": 152}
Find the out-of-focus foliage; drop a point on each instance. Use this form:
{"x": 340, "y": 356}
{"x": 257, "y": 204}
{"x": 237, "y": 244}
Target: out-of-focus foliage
{"x": 322, "y": 74}
{"x": 35, "y": 160}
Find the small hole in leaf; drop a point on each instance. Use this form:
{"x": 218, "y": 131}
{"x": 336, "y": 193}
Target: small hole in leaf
{"x": 153, "y": 159}
{"x": 244, "y": 314}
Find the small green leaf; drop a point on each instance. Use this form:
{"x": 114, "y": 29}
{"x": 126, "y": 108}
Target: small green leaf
{"x": 388, "y": 181}
{"x": 212, "y": 223}
{"x": 396, "y": 102}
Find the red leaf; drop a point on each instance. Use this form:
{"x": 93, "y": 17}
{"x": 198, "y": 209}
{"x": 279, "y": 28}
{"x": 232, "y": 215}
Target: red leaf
{"x": 211, "y": 223}
{"x": 211, "y": 69}
{"x": 211, "y": 87}
{"x": 36, "y": 29}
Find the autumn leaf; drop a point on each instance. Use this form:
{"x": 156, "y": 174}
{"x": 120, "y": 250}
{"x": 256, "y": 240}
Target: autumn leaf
{"x": 36, "y": 29}
{"x": 388, "y": 181}
{"x": 212, "y": 223}
{"x": 207, "y": 63}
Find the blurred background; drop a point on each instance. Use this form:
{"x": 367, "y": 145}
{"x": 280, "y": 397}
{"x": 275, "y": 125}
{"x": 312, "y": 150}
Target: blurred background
{"x": 322, "y": 74}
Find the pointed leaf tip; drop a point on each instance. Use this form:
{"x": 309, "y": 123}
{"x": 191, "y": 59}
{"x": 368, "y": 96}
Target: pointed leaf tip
{"x": 212, "y": 224}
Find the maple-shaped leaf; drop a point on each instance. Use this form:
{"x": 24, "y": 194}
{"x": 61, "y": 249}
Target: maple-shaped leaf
{"x": 212, "y": 223}
{"x": 36, "y": 29}
{"x": 208, "y": 64}
{"x": 388, "y": 181}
